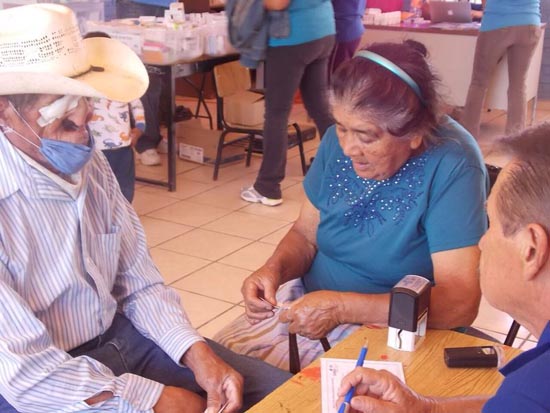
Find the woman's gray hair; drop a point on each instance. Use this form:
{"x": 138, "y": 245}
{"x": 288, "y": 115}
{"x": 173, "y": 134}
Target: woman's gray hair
{"x": 368, "y": 89}
{"x": 524, "y": 196}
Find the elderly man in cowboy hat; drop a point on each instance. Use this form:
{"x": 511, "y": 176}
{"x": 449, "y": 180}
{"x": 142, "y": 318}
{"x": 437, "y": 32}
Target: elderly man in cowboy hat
{"x": 86, "y": 323}
{"x": 515, "y": 278}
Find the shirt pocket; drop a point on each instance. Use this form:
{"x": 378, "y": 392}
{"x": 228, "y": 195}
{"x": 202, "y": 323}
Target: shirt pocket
{"x": 105, "y": 251}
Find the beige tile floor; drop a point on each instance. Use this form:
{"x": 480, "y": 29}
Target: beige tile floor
{"x": 206, "y": 240}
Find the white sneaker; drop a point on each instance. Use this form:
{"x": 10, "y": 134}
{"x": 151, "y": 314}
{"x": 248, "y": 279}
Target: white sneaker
{"x": 149, "y": 157}
{"x": 251, "y": 195}
{"x": 162, "y": 147}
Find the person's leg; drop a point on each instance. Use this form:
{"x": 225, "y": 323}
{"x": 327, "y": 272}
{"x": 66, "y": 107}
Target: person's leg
{"x": 519, "y": 59}
{"x": 123, "y": 166}
{"x": 284, "y": 69}
{"x": 342, "y": 52}
{"x": 125, "y": 350}
{"x": 314, "y": 86}
{"x": 260, "y": 378}
{"x": 151, "y": 100}
{"x": 149, "y": 140}
{"x": 5, "y": 407}
{"x": 490, "y": 48}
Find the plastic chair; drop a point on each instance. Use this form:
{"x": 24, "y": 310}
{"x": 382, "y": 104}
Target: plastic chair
{"x": 230, "y": 79}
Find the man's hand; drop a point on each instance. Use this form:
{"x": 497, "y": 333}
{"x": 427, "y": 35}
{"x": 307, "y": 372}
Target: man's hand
{"x": 178, "y": 400}
{"x": 380, "y": 391}
{"x": 221, "y": 383}
{"x": 314, "y": 315}
{"x": 260, "y": 284}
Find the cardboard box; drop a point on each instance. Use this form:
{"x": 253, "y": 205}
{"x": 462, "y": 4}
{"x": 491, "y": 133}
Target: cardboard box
{"x": 199, "y": 144}
{"x": 244, "y": 108}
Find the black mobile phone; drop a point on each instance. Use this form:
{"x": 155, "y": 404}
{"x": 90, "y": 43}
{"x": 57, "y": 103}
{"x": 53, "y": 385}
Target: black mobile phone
{"x": 478, "y": 356}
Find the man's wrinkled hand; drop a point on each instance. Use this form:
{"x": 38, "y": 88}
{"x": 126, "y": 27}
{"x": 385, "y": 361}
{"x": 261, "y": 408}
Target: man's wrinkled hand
{"x": 380, "y": 391}
{"x": 221, "y": 383}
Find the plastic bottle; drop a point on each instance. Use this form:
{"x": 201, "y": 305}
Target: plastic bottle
{"x": 416, "y": 8}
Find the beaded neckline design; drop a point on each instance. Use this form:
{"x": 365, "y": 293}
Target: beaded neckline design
{"x": 372, "y": 203}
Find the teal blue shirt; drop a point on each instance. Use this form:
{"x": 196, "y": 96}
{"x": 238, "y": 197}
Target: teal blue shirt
{"x": 372, "y": 233}
{"x": 309, "y": 20}
{"x": 506, "y": 13}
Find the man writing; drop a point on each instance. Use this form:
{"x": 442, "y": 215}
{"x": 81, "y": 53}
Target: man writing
{"x": 515, "y": 278}
{"x": 86, "y": 323}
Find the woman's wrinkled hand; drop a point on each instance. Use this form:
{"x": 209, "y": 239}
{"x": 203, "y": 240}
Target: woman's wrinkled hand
{"x": 260, "y": 284}
{"x": 314, "y": 315}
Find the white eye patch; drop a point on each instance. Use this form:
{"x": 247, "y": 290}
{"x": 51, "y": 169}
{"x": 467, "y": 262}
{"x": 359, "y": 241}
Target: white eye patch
{"x": 57, "y": 109}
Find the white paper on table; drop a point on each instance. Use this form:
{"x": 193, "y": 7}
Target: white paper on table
{"x": 334, "y": 370}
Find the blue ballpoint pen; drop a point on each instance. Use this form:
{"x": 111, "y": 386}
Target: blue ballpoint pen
{"x": 360, "y": 360}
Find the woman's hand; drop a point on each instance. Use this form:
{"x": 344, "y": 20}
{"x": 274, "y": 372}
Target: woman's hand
{"x": 314, "y": 315}
{"x": 381, "y": 391}
{"x": 261, "y": 284}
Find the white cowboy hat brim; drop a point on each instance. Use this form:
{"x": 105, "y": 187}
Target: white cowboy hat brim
{"x": 116, "y": 73}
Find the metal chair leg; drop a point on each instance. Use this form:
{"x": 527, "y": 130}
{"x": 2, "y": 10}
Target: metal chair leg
{"x": 301, "y": 147}
{"x": 218, "y": 161}
{"x": 512, "y": 333}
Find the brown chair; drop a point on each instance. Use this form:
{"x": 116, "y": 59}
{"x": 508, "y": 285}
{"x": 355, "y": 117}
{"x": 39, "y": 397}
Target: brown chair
{"x": 229, "y": 79}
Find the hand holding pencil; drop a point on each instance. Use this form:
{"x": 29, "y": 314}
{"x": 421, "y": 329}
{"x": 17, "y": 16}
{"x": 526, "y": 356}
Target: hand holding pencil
{"x": 344, "y": 406}
{"x": 365, "y": 390}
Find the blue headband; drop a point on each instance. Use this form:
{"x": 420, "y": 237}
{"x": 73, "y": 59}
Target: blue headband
{"x": 392, "y": 67}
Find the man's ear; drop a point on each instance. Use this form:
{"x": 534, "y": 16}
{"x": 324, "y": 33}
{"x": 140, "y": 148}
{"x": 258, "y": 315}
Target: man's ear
{"x": 534, "y": 250}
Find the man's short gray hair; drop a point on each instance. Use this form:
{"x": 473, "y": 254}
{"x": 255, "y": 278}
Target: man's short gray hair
{"x": 524, "y": 196}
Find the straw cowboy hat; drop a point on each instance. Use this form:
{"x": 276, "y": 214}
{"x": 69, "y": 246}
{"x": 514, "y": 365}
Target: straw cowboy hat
{"x": 42, "y": 52}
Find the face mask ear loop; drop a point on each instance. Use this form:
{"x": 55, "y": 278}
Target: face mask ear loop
{"x": 28, "y": 126}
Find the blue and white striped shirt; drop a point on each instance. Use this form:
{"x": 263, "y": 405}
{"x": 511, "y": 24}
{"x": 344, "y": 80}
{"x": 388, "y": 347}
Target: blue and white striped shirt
{"x": 66, "y": 265}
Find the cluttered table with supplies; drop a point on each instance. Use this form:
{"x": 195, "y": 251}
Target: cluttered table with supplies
{"x": 176, "y": 46}
{"x": 424, "y": 370}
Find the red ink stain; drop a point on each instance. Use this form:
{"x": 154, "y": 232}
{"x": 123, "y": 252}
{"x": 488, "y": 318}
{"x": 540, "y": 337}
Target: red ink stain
{"x": 383, "y": 357}
{"x": 313, "y": 373}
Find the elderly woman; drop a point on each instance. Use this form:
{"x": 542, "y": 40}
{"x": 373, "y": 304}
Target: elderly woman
{"x": 395, "y": 189}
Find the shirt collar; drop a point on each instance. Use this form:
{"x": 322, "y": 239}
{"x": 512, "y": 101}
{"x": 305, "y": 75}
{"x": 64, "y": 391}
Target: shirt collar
{"x": 32, "y": 179}
{"x": 542, "y": 347}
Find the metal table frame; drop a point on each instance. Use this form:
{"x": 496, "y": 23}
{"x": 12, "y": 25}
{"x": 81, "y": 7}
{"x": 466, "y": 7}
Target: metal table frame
{"x": 169, "y": 72}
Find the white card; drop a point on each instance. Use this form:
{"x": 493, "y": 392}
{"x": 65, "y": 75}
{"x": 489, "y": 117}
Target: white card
{"x": 334, "y": 370}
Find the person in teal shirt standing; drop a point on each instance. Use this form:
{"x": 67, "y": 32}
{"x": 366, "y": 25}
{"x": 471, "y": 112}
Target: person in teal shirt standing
{"x": 509, "y": 28}
{"x": 298, "y": 61}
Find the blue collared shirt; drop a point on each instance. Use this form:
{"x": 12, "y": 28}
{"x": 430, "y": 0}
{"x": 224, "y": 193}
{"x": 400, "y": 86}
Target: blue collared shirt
{"x": 68, "y": 261}
{"x": 526, "y": 387}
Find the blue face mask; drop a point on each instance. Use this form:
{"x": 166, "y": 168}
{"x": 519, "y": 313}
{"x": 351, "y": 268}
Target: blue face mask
{"x": 66, "y": 157}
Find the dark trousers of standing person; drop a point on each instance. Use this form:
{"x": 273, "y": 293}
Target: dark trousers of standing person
{"x": 518, "y": 44}
{"x": 342, "y": 52}
{"x": 303, "y": 66}
{"x": 125, "y": 350}
{"x": 123, "y": 165}
{"x": 152, "y": 97}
